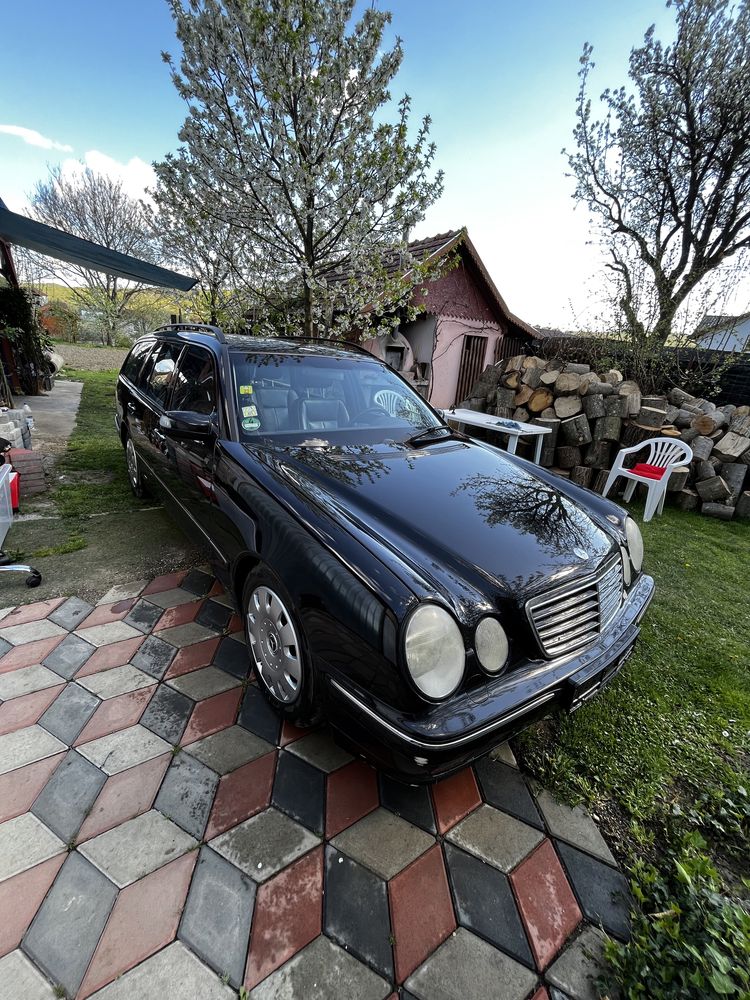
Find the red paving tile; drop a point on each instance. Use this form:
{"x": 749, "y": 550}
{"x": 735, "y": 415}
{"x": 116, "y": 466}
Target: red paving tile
{"x": 418, "y": 890}
{"x": 20, "y": 898}
{"x": 129, "y": 939}
{"x": 116, "y": 713}
{"x": 288, "y": 916}
{"x": 28, "y": 653}
{"x": 27, "y": 709}
{"x": 167, "y": 582}
{"x": 290, "y": 733}
{"x": 31, "y": 612}
{"x": 113, "y": 655}
{"x": 234, "y": 625}
{"x": 124, "y": 796}
{"x": 180, "y": 615}
{"x": 19, "y": 788}
{"x": 212, "y": 715}
{"x": 190, "y": 658}
{"x": 548, "y": 907}
{"x": 242, "y": 794}
{"x": 217, "y": 590}
{"x": 541, "y": 994}
{"x": 107, "y": 613}
{"x": 454, "y": 798}
{"x": 352, "y": 793}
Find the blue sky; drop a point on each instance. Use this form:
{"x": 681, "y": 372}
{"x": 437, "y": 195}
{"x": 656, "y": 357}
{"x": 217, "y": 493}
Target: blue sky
{"x": 499, "y": 79}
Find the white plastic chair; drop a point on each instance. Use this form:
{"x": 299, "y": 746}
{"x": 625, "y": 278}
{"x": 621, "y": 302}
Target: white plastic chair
{"x": 664, "y": 454}
{"x": 388, "y": 399}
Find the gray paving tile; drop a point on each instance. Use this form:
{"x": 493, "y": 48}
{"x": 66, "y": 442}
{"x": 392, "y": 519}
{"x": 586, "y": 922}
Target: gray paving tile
{"x": 383, "y": 842}
{"x": 71, "y": 613}
{"x": 356, "y": 912}
{"x": 187, "y": 793}
{"x": 574, "y": 825}
{"x": 122, "y": 592}
{"x": 25, "y": 746}
{"x": 26, "y": 680}
{"x": 69, "y": 713}
{"x": 18, "y": 635}
{"x": 229, "y": 749}
{"x": 137, "y": 847}
{"x": 503, "y": 787}
{"x": 217, "y": 916}
{"x": 602, "y": 892}
{"x": 578, "y": 968}
{"x": 68, "y": 796}
{"x": 319, "y": 748}
{"x": 25, "y": 842}
{"x": 144, "y": 615}
{"x": 154, "y": 656}
{"x": 264, "y": 844}
{"x": 67, "y": 926}
{"x": 495, "y": 837}
{"x": 20, "y": 980}
{"x": 171, "y": 598}
{"x": 167, "y": 713}
{"x": 174, "y": 972}
{"x": 505, "y": 754}
{"x": 69, "y": 656}
{"x": 322, "y": 969}
{"x": 186, "y": 635}
{"x": 465, "y": 966}
{"x": 118, "y": 680}
{"x": 200, "y": 684}
{"x": 126, "y": 748}
{"x": 103, "y": 635}
{"x": 4, "y": 646}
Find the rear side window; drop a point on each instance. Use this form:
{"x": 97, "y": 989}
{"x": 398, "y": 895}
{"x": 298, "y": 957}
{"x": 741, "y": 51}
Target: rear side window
{"x": 156, "y": 377}
{"x": 195, "y": 382}
{"x": 134, "y": 361}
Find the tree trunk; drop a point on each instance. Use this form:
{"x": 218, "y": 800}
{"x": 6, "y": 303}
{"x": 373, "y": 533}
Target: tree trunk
{"x": 568, "y": 406}
{"x": 713, "y": 489}
{"x": 593, "y": 406}
{"x": 576, "y": 430}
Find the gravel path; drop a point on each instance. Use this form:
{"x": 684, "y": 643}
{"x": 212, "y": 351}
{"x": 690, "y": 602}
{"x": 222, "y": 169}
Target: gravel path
{"x": 92, "y": 359}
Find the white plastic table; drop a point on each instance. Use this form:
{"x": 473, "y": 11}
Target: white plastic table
{"x": 502, "y": 425}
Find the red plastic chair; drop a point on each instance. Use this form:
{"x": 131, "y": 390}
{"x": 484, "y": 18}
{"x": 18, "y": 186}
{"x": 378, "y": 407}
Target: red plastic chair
{"x": 664, "y": 454}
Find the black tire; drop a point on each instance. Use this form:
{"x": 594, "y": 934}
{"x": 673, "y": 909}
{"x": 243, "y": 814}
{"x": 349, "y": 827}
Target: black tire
{"x": 34, "y": 579}
{"x": 134, "y": 470}
{"x": 305, "y": 709}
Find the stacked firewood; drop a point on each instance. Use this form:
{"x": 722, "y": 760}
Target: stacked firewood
{"x": 591, "y": 416}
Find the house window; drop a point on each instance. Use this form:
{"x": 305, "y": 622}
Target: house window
{"x": 472, "y": 363}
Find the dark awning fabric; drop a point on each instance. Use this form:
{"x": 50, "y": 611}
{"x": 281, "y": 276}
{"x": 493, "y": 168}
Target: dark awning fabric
{"x": 55, "y": 243}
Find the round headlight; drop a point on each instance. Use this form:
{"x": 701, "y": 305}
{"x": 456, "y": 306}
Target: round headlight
{"x": 491, "y": 645}
{"x": 435, "y": 652}
{"x": 635, "y": 544}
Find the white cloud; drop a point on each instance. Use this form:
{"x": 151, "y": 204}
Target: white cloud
{"x": 33, "y": 138}
{"x": 136, "y": 175}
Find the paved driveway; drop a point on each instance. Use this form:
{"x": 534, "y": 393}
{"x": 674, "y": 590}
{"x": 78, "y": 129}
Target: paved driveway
{"x": 162, "y": 835}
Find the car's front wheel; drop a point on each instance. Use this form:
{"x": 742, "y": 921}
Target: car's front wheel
{"x": 134, "y": 470}
{"x": 278, "y": 650}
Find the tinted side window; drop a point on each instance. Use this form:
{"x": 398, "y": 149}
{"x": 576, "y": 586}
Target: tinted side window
{"x": 135, "y": 359}
{"x": 195, "y": 382}
{"x": 156, "y": 377}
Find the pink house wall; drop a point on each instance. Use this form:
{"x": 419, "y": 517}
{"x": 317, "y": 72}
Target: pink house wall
{"x": 446, "y": 359}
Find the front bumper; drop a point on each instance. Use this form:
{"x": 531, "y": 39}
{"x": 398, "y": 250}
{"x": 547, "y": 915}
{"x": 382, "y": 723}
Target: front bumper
{"x": 453, "y": 734}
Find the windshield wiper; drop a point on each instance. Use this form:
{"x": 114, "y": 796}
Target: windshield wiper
{"x": 429, "y": 434}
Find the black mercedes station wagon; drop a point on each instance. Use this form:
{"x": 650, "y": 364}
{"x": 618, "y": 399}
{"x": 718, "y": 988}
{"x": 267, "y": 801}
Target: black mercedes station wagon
{"x": 428, "y": 594}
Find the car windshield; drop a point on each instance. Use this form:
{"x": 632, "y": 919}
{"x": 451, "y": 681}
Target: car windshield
{"x": 303, "y": 399}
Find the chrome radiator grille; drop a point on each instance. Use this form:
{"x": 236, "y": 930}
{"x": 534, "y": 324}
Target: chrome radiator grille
{"x": 573, "y": 615}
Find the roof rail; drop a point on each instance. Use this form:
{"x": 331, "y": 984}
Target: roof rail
{"x": 329, "y": 340}
{"x": 213, "y": 331}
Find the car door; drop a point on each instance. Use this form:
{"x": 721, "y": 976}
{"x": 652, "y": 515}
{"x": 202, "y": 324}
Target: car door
{"x": 155, "y": 382}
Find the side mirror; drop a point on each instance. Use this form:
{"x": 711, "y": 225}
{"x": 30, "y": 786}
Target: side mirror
{"x": 188, "y": 424}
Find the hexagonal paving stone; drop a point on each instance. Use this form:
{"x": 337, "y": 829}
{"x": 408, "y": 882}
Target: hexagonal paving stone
{"x": 383, "y": 842}
{"x": 320, "y": 749}
{"x": 579, "y": 966}
{"x": 24, "y": 842}
{"x": 172, "y": 972}
{"x": 26, "y": 680}
{"x": 68, "y": 658}
{"x": 103, "y": 635}
{"x": 229, "y": 749}
{"x": 200, "y": 684}
{"x": 356, "y": 911}
{"x": 264, "y": 844}
{"x": 495, "y": 837}
{"x": 123, "y": 749}
{"x": 19, "y": 635}
{"x": 574, "y": 825}
{"x": 68, "y": 796}
{"x": 118, "y": 680}
{"x": 25, "y": 746}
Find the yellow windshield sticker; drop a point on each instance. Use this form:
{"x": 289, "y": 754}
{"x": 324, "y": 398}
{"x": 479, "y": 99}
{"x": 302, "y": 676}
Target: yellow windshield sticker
{"x": 246, "y": 390}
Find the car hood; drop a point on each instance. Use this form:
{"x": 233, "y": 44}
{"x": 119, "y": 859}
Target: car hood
{"x": 455, "y": 511}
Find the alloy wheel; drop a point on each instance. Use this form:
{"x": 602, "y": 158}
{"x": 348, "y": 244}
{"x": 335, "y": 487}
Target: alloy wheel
{"x": 132, "y": 462}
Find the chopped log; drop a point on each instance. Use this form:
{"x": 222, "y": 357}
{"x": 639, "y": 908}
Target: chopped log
{"x": 475, "y": 403}
{"x": 549, "y": 413}
{"x": 729, "y": 410}
{"x": 549, "y": 377}
{"x": 655, "y": 402}
{"x": 684, "y": 418}
{"x": 504, "y": 397}
{"x": 670, "y": 431}
{"x": 576, "y": 430}
{"x": 678, "y": 397}
{"x": 486, "y": 382}
{"x": 568, "y": 457}
{"x": 742, "y": 509}
{"x": 511, "y": 379}
{"x": 568, "y": 384}
{"x": 567, "y": 406}
{"x": 687, "y": 500}
{"x": 532, "y": 377}
{"x": 560, "y": 472}
{"x": 743, "y": 411}
{"x": 582, "y": 475}
{"x": 649, "y": 416}
{"x": 705, "y": 405}
{"x": 707, "y": 423}
{"x": 598, "y": 455}
{"x": 539, "y": 400}
{"x": 704, "y": 470}
{"x": 632, "y": 393}
{"x": 670, "y": 413}
{"x": 522, "y": 396}
{"x": 549, "y": 441}
{"x": 732, "y": 446}
{"x": 712, "y": 489}
{"x": 613, "y": 376}
{"x": 688, "y": 434}
{"x": 745, "y": 459}
{"x": 714, "y": 460}
{"x": 733, "y": 474}
{"x": 678, "y": 479}
{"x": 504, "y": 411}
{"x": 576, "y": 369}
{"x": 586, "y": 380}
{"x": 533, "y": 361}
{"x": 719, "y": 510}
{"x": 740, "y": 424}
{"x": 608, "y": 429}
{"x": 600, "y": 481}
{"x": 633, "y": 433}
{"x": 521, "y": 414}
{"x": 702, "y": 447}
{"x": 515, "y": 363}
{"x": 614, "y": 406}
{"x": 599, "y": 388}
{"x": 593, "y": 406}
